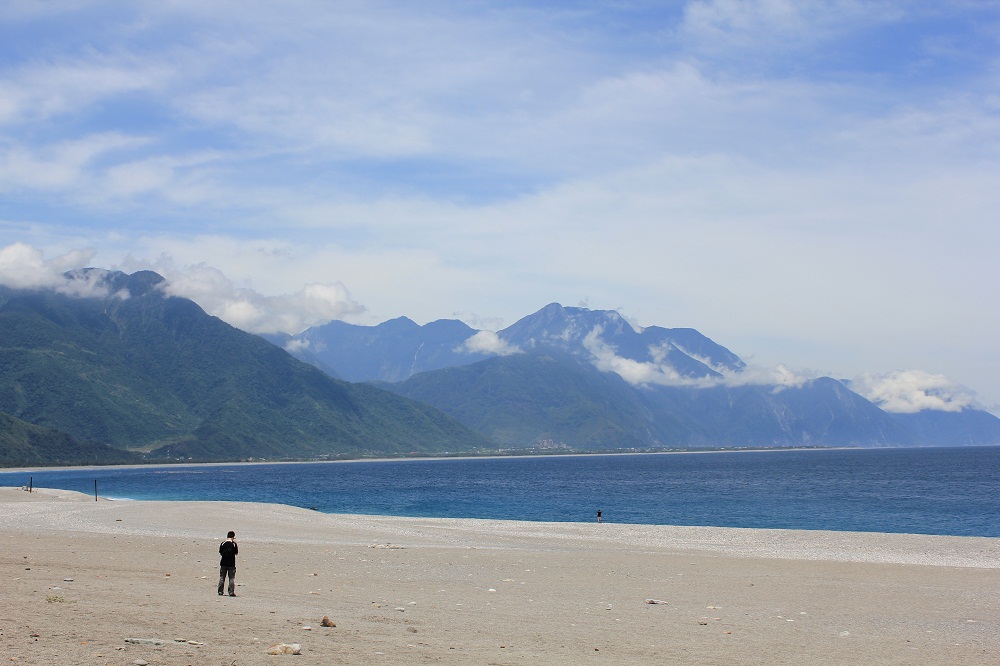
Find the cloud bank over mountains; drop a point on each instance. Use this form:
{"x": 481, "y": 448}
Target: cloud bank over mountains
{"x": 898, "y": 392}
{"x": 661, "y": 372}
{"x": 488, "y": 342}
{"x": 252, "y": 311}
{"x": 912, "y": 391}
{"x": 24, "y": 267}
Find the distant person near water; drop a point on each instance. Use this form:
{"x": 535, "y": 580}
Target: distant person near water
{"x": 227, "y": 565}
{"x": 598, "y": 515}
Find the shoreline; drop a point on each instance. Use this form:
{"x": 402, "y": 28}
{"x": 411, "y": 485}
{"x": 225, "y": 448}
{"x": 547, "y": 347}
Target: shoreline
{"x": 90, "y": 574}
{"x": 62, "y": 468}
{"x": 772, "y": 543}
{"x": 52, "y": 493}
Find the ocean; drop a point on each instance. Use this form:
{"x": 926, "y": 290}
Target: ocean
{"x": 949, "y": 491}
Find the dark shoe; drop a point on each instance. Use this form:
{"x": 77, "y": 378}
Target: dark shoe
{"x": 232, "y": 595}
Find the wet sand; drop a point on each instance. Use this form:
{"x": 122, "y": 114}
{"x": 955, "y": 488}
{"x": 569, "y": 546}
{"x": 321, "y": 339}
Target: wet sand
{"x": 81, "y": 577}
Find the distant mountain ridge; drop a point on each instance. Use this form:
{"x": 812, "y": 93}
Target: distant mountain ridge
{"x": 391, "y": 351}
{"x": 399, "y": 348}
{"x": 590, "y": 380}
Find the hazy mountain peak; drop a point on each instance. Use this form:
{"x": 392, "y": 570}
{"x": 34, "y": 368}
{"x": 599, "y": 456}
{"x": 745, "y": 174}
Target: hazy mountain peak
{"x": 399, "y": 324}
{"x": 560, "y": 326}
{"x": 100, "y": 282}
{"x": 390, "y": 351}
{"x": 608, "y": 341}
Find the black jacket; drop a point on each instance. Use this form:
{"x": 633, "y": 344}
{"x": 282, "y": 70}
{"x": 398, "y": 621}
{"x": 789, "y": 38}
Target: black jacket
{"x": 228, "y": 549}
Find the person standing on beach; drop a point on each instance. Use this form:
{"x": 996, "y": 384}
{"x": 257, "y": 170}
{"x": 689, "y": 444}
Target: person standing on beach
{"x": 227, "y": 565}
{"x": 599, "y": 515}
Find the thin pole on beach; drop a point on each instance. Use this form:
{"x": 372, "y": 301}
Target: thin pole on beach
{"x": 31, "y": 483}
{"x": 95, "y": 490}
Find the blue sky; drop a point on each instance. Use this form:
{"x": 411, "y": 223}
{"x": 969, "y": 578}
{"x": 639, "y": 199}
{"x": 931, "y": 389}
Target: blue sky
{"x": 809, "y": 183}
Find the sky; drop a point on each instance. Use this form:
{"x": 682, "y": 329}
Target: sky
{"x": 812, "y": 184}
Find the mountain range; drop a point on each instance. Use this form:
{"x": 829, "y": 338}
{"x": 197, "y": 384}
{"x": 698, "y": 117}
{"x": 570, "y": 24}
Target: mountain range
{"x": 109, "y": 368}
{"x": 589, "y": 380}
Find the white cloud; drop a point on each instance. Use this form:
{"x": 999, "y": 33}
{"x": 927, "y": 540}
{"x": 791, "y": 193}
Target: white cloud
{"x": 25, "y": 267}
{"x": 779, "y": 376}
{"x": 297, "y": 345}
{"x": 660, "y": 372}
{"x": 38, "y": 91}
{"x": 252, "y": 311}
{"x": 488, "y": 342}
{"x": 60, "y": 166}
{"x": 775, "y": 27}
{"x": 910, "y": 391}
{"x": 637, "y": 373}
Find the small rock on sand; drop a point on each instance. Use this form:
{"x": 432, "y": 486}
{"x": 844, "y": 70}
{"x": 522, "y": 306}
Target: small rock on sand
{"x": 326, "y": 622}
{"x": 284, "y": 648}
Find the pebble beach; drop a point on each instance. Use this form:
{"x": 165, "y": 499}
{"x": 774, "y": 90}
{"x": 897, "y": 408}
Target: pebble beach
{"x": 128, "y": 582}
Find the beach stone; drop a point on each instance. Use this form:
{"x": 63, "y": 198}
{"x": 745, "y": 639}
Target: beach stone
{"x": 326, "y": 622}
{"x": 284, "y": 648}
{"x": 141, "y": 662}
{"x": 655, "y": 601}
{"x": 146, "y": 641}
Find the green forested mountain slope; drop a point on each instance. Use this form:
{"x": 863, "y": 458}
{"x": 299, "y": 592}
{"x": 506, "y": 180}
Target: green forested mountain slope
{"x": 141, "y": 370}
{"x": 522, "y": 399}
{"x": 25, "y": 444}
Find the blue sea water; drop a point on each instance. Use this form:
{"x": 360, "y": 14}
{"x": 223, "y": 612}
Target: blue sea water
{"x": 951, "y": 491}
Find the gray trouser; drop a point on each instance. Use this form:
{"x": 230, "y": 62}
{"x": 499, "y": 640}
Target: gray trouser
{"x": 231, "y": 571}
